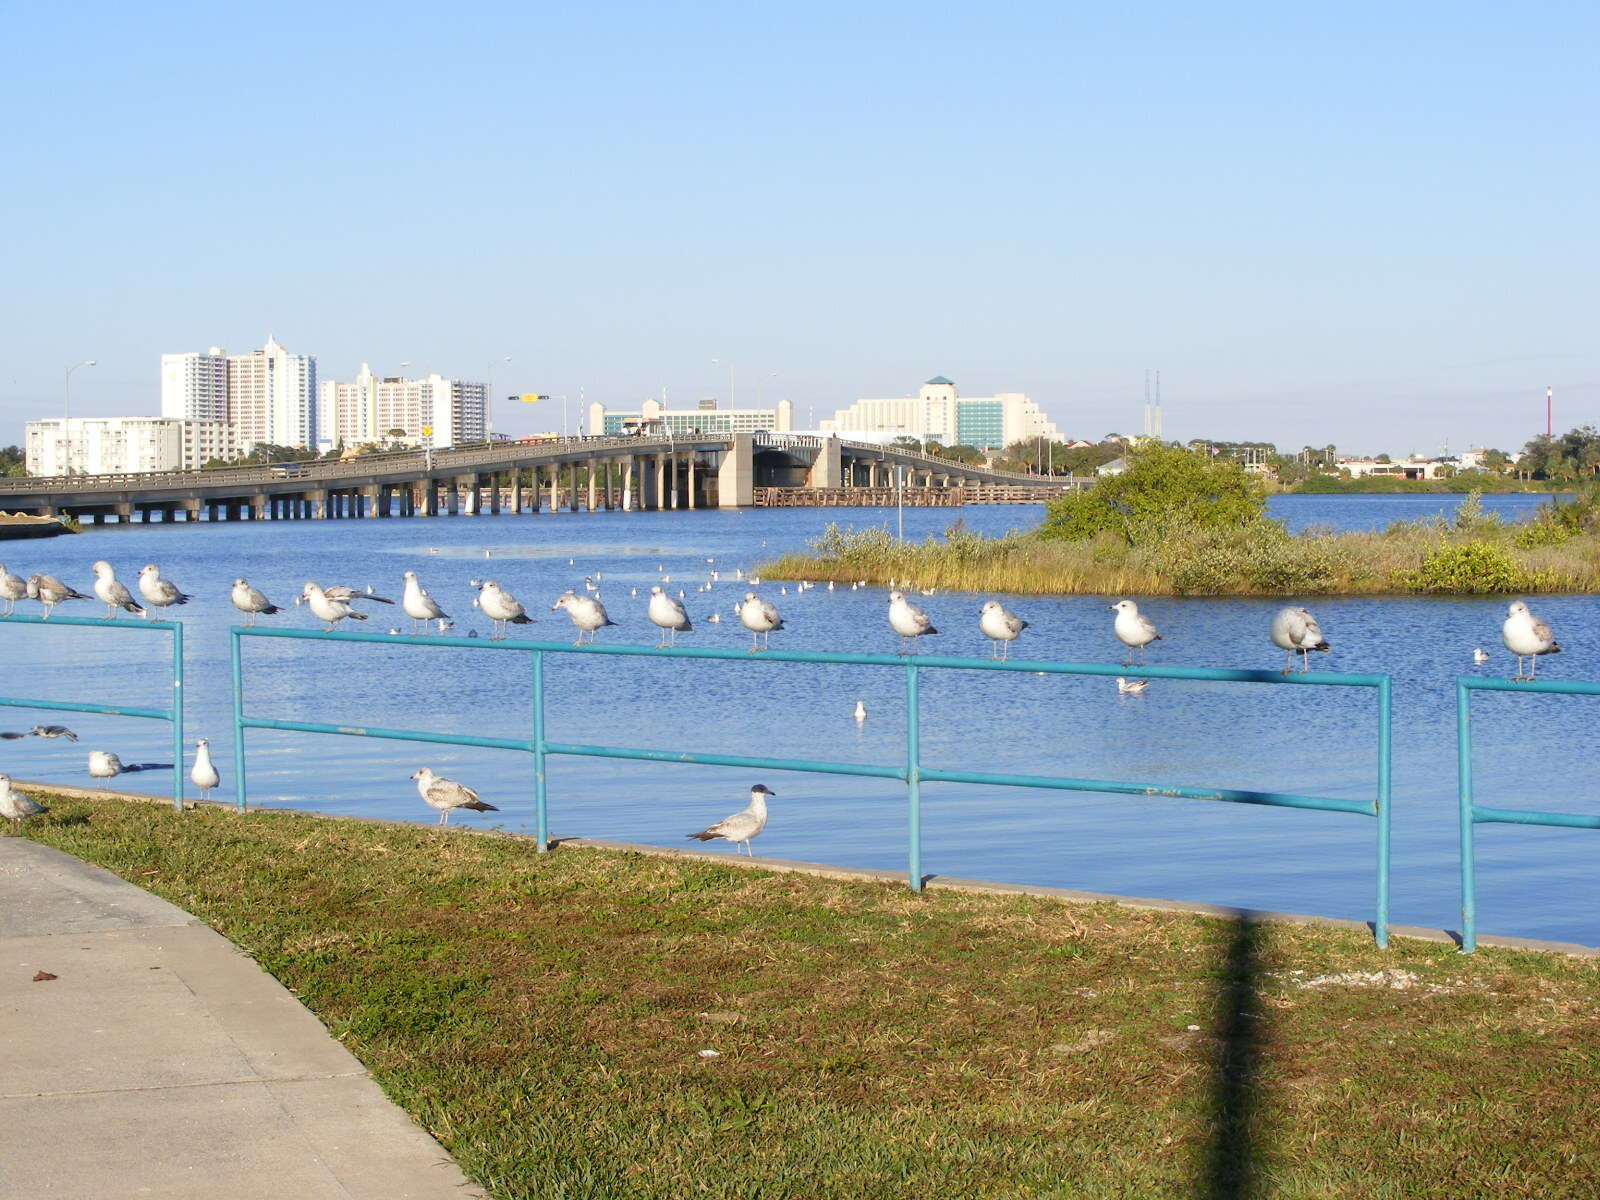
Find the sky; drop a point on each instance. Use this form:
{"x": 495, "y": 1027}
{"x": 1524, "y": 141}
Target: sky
{"x": 1367, "y": 225}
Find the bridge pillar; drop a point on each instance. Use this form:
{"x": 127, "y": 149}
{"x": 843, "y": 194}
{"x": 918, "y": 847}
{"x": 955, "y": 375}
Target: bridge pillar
{"x": 318, "y": 501}
{"x": 627, "y": 485}
{"x": 694, "y": 501}
{"x": 827, "y": 467}
{"x": 736, "y": 475}
{"x": 258, "y": 504}
{"x": 515, "y": 498}
{"x": 372, "y": 500}
{"x": 572, "y": 486}
{"x": 594, "y": 470}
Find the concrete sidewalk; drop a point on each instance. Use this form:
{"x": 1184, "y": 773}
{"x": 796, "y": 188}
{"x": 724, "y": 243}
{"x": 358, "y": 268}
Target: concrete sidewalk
{"x": 162, "y": 1062}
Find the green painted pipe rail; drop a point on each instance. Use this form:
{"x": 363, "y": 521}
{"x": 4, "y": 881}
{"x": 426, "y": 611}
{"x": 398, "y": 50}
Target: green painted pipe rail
{"x": 1471, "y": 814}
{"x": 913, "y": 773}
{"x": 173, "y": 715}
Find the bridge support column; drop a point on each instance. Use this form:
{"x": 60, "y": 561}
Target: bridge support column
{"x": 258, "y": 506}
{"x": 516, "y": 491}
{"x": 627, "y": 485}
{"x": 594, "y": 470}
{"x": 318, "y": 501}
{"x": 371, "y": 497}
{"x": 494, "y": 493}
{"x": 124, "y": 512}
{"x": 736, "y": 475}
{"x": 826, "y": 468}
{"x": 191, "y": 510}
{"x": 694, "y": 501}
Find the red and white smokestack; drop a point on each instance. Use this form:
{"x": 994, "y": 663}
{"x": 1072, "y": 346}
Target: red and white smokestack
{"x": 1549, "y": 412}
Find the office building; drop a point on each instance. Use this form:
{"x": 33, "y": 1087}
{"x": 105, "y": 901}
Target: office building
{"x": 434, "y": 411}
{"x": 655, "y": 417}
{"x": 123, "y": 445}
{"x": 938, "y": 412}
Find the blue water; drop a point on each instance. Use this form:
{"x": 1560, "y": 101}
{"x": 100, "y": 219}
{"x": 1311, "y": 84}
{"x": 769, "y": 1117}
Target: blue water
{"x": 1531, "y": 749}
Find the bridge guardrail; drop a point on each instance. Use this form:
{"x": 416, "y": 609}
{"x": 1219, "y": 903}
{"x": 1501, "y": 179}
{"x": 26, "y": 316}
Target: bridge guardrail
{"x": 913, "y": 772}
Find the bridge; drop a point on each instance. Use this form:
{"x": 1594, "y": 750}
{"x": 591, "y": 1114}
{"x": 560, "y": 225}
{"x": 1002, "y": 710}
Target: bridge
{"x": 629, "y": 474}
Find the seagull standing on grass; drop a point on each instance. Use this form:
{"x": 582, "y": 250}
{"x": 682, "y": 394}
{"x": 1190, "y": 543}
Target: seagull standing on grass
{"x": 743, "y": 825}
{"x": 251, "y": 602}
{"x": 1295, "y": 630}
{"x": 204, "y": 772}
{"x": 158, "y": 592}
{"x": 502, "y": 608}
{"x": 1133, "y": 630}
{"x": 114, "y": 595}
{"x": 325, "y": 608}
{"x": 104, "y": 765}
{"x": 50, "y": 591}
{"x": 668, "y": 615}
{"x": 12, "y": 589}
{"x": 1527, "y": 636}
{"x": 420, "y": 606}
{"x": 586, "y": 612}
{"x": 446, "y": 795}
{"x": 909, "y": 621}
{"x": 15, "y": 806}
{"x": 760, "y": 618}
{"x": 1000, "y": 627}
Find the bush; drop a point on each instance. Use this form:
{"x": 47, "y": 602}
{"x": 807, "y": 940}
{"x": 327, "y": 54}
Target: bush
{"x": 1472, "y": 568}
{"x": 1258, "y": 557}
{"x": 1163, "y": 489}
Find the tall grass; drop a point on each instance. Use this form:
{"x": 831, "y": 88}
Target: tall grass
{"x": 1471, "y": 553}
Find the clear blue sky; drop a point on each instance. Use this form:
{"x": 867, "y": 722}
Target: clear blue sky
{"x": 1373, "y": 225}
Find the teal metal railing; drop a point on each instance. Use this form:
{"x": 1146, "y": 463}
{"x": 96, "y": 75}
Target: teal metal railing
{"x": 1473, "y": 814}
{"x": 913, "y": 773}
{"x": 172, "y": 715}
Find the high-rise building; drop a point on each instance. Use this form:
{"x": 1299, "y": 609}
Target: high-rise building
{"x": 267, "y": 395}
{"x": 653, "y": 416}
{"x": 427, "y": 412}
{"x": 938, "y": 412}
{"x": 123, "y": 445}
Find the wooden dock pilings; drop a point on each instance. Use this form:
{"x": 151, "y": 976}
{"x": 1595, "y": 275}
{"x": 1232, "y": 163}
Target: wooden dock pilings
{"x": 888, "y": 497}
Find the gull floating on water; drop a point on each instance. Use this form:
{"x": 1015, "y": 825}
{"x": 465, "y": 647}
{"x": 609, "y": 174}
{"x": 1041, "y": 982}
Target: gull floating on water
{"x": 50, "y": 591}
{"x": 16, "y": 806}
{"x": 12, "y": 589}
{"x": 158, "y": 592}
{"x": 760, "y": 618}
{"x": 1133, "y": 630}
{"x": 418, "y": 605}
{"x": 502, "y": 608}
{"x": 1480, "y": 655}
{"x": 1131, "y": 687}
{"x": 204, "y": 772}
{"x": 667, "y": 615}
{"x": 326, "y": 608}
{"x": 114, "y": 595}
{"x": 1295, "y": 630}
{"x": 586, "y": 612}
{"x": 742, "y": 826}
{"x": 446, "y": 795}
{"x": 909, "y": 621}
{"x": 1000, "y": 627}
{"x": 714, "y": 619}
{"x": 1527, "y": 636}
{"x": 861, "y": 710}
{"x": 250, "y": 601}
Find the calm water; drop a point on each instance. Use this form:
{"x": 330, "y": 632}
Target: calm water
{"x": 1531, "y": 750}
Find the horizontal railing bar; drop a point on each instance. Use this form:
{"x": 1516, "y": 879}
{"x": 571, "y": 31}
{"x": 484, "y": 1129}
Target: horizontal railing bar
{"x": 1230, "y": 795}
{"x": 1524, "y": 816}
{"x": 1023, "y": 666}
{"x": 1556, "y": 686}
{"x": 153, "y": 714}
{"x": 398, "y": 735}
{"x": 866, "y": 770}
{"x": 95, "y": 622}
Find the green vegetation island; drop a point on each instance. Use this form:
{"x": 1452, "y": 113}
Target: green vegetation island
{"x": 602, "y": 1023}
{"x": 1178, "y": 522}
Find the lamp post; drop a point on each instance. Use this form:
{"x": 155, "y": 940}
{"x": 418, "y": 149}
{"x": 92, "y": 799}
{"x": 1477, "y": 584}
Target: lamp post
{"x": 488, "y": 400}
{"x": 730, "y": 379}
{"x": 66, "y": 401}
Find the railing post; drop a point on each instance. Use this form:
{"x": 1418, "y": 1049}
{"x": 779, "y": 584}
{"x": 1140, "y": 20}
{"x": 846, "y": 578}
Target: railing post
{"x": 540, "y": 819}
{"x": 913, "y": 780}
{"x": 238, "y": 721}
{"x": 177, "y": 716}
{"x": 1469, "y": 898}
{"x": 1380, "y": 931}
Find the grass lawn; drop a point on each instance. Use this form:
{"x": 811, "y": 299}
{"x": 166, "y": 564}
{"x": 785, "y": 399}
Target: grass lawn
{"x": 544, "y": 1016}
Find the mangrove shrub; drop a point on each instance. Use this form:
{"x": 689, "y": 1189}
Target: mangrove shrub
{"x": 1164, "y": 487}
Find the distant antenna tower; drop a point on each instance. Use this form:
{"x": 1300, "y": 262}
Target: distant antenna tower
{"x": 1147, "y": 402}
{"x": 1549, "y": 412}
{"x": 1156, "y": 411}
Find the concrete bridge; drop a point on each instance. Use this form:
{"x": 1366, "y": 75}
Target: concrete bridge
{"x": 612, "y": 473}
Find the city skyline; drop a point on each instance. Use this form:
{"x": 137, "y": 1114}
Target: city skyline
{"x": 1362, "y": 231}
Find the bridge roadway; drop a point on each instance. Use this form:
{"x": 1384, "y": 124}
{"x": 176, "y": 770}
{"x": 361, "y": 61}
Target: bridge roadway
{"x": 627, "y": 473}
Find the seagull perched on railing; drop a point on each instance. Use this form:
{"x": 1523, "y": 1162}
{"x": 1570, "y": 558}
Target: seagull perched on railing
{"x": 1000, "y": 627}
{"x": 446, "y": 795}
{"x": 502, "y": 608}
{"x": 325, "y": 608}
{"x": 12, "y": 589}
{"x": 340, "y": 592}
{"x": 1133, "y": 630}
{"x": 586, "y": 612}
{"x": 158, "y": 592}
{"x": 668, "y": 615}
{"x": 420, "y": 606}
{"x": 1527, "y": 636}
{"x": 50, "y": 591}
{"x": 742, "y": 826}
{"x": 909, "y": 621}
{"x": 15, "y": 806}
{"x": 251, "y": 602}
{"x": 760, "y": 618}
{"x": 113, "y": 594}
{"x": 1295, "y": 630}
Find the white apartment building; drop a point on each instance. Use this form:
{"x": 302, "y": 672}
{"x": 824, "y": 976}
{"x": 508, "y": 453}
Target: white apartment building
{"x": 707, "y": 418}
{"x": 123, "y": 445}
{"x": 267, "y": 395}
{"x": 428, "y": 412}
{"x": 938, "y": 411}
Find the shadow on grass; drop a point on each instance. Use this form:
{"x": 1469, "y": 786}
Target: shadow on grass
{"x": 1232, "y": 1166}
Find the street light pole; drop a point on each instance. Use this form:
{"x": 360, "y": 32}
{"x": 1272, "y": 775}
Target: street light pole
{"x": 66, "y": 402}
{"x": 488, "y": 400}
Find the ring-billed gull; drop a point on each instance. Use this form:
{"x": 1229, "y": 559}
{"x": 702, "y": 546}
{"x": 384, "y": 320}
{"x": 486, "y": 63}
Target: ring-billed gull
{"x": 1000, "y": 627}
{"x": 158, "y": 592}
{"x": 348, "y": 594}
{"x": 502, "y": 608}
{"x": 1527, "y": 636}
{"x": 446, "y": 795}
{"x": 910, "y": 622}
{"x": 668, "y": 615}
{"x": 113, "y": 594}
{"x": 586, "y": 612}
{"x": 742, "y": 825}
{"x": 16, "y": 806}
{"x": 53, "y": 731}
{"x": 1479, "y": 656}
{"x": 861, "y": 710}
{"x": 104, "y": 765}
{"x": 204, "y": 773}
{"x": 326, "y": 609}
{"x": 1133, "y": 630}
{"x": 12, "y": 589}
{"x": 251, "y": 602}
{"x": 1131, "y": 687}
{"x": 760, "y": 618}
{"x": 1295, "y": 631}
{"x": 50, "y": 591}
{"x": 420, "y": 606}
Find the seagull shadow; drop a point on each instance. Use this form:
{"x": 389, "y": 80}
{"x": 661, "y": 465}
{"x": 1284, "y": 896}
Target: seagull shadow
{"x": 1232, "y": 1168}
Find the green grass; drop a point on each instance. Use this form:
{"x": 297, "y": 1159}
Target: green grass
{"x": 541, "y": 1015}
